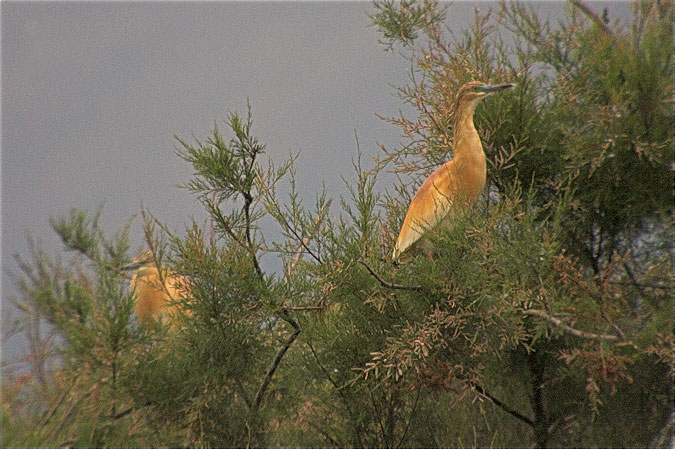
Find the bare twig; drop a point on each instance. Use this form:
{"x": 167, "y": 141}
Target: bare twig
{"x": 568, "y": 329}
{"x": 304, "y": 308}
{"x": 246, "y": 246}
{"x": 583, "y": 334}
{"x": 622, "y": 336}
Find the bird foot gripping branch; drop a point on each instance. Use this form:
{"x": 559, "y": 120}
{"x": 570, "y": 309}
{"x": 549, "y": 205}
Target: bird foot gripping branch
{"x": 456, "y": 183}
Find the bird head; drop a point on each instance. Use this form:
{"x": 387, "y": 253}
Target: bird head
{"x": 142, "y": 259}
{"x": 473, "y": 92}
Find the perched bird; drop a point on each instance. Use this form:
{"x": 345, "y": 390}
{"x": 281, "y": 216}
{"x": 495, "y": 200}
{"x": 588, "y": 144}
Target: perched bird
{"x": 458, "y": 182}
{"x": 154, "y": 293}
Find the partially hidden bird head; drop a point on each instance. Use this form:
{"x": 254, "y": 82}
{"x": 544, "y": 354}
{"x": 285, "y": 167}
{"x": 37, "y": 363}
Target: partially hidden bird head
{"x": 474, "y": 91}
{"x": 142, "y": 259}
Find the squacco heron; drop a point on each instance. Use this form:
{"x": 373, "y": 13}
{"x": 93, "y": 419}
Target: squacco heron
{"x": 155, "y": 294}
{"x": 458, "y": 182}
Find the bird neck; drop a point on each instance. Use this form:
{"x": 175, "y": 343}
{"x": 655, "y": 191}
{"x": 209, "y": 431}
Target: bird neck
{"x": 466, "y": 141}
{"x": 148, "y": 270}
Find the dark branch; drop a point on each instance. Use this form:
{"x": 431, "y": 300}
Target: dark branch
{"x": 277, "y": 360}
{"x": 248, "y": 200}
{"x": 541, "y": 433}
{"x": 501, "y": 405}
{"x": 247, "y": 246}
{"x": 388, "y": 284}
{"x": 122, "y": 414}
{"x": 412, "y": 414}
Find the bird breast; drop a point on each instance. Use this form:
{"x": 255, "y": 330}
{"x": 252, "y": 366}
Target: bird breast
{"x": 457, "y": 183}
{"x": 471, "y": 175}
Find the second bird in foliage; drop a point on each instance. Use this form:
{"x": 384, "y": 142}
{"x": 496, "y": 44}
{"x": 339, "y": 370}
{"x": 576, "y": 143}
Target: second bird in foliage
{"x": 156, "y": 292}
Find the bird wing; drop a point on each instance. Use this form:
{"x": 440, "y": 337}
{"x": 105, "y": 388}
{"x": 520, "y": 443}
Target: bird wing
{"x": 430, "y": 205}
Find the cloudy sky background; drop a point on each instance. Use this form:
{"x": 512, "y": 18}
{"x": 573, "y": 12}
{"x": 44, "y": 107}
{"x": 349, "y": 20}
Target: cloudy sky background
{"x": 92, "y": 94}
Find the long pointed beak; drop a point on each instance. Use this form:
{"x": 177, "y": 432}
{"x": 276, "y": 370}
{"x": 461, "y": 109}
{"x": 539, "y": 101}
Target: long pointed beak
{"x": 131, "y": 266}
{"x": 495, "y": 88}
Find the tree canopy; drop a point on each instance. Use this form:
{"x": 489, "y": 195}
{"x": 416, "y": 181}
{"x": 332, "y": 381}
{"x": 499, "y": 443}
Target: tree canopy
{"x": 545, "y": 320}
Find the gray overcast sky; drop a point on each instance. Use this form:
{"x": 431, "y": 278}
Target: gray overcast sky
{"x": 92, "y": 94}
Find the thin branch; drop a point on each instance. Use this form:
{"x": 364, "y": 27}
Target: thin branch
{"x": 640, "y": 286}
{"x": 331, "y": 380}
{"x": 328, "y": 438}
{"x": 412, "y": 414}
{"x": 568, "y": 329}
{"x": 242, "y": 391}
{"x": 277, "y": 360}
{"x": 622, "y": 336}
{"x": 248, "y": 200}
{"x": 588, "y": 12}
{"x": 299, "y": 253}
{"x": 304, "y": 245}
{"x": 634, "y": 281}
{"x": 304, "y": 308}
{"x": 305, "y": 242}
{"x": 378, "y": 413}
{"x": 230, "y": 231}
{"x": 541, "y": 434}
{"x": 70, "y": 410}
{"x": 49, "y": 415}
{"x": 389, "y": 284}
{"x": 583, "y": 334}
{"x": 284, "y": 224}
{"x": 122, "y": 414}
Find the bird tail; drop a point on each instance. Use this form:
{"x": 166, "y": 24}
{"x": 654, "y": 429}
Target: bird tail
{"x": 396, "y": 253}
{"x": 400, "y": 257}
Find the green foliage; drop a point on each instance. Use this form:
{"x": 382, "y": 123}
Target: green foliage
{"x": 403, "y": 22}
{"x": 75, "y": 400}
{"x": 596, "y": 162}
{"x": 545, "y": 317}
